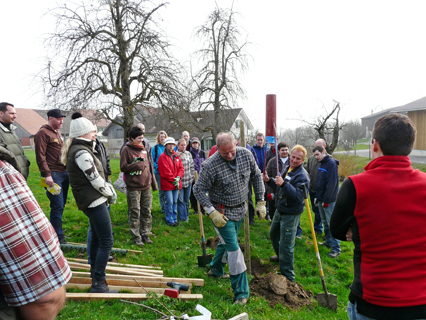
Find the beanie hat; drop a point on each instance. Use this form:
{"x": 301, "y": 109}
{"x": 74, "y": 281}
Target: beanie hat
{"x": 80, "y": 126}
{"x": 169, "y": 140}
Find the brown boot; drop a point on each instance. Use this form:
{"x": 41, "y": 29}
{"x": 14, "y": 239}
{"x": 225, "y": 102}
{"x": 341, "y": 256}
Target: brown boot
{"x": 147, "y": 239}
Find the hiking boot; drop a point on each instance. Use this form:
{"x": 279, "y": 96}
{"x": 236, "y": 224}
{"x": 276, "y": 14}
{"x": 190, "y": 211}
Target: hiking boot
{"x": 63, "y": 241}
{"x": 274, "y": 259}
{"x": 268, "y": 218}
{"x": 298, "y": 237}
{"x": 241, "y": 301}
{"x": 223, "y": 276}
{"x": 334, "y": 255}
{"x": 251, "y": 223}
{"x": 100, "y": 286}
{"x": 146, "y": 239}
{"x": 110, "y": 258}
{"x": 139, "y": 243}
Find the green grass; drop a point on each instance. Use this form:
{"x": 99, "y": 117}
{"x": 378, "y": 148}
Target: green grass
{"x": 175, "y": 250}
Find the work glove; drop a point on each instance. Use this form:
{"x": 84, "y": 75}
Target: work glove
{"x": 176, "y": 182}
{"x": 325, "y": 205}
{"x": 136, "y": 173}
{"x": 270, "y": 196}
{"x": 261, "y": 209}
{"x": 219, "y": 220}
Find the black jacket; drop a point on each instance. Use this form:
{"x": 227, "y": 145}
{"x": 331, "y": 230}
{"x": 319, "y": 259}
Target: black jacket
{"x": 102, "y": 154}
{"x": 289, "y": 197}
{"x": 327, "y": 180}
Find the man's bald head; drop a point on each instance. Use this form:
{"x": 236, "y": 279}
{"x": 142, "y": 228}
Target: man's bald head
{"x": 224, "y": 138}
{"x": 321, "y": 143}
{"x": 185, "y": 135}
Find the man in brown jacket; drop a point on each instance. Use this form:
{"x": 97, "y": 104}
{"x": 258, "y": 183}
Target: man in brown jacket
{"x": 48, "y": 144}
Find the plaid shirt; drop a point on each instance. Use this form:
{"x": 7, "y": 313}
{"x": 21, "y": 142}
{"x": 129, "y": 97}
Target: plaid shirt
{"x": 227, "y": 186}
{"x": 31, "y": 262}
{"x": 188, "y": 167}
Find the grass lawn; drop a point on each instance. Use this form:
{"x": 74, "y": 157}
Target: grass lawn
{"x": 175, "y": 250}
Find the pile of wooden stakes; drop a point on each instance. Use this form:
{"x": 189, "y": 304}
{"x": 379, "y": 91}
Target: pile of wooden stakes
{"x": 140, "y": 280}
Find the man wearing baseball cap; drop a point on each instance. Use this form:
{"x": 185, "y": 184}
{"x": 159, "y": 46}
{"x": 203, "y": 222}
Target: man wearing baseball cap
{"x": 48, "y": 144}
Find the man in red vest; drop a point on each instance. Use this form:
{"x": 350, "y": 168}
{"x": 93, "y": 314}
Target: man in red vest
{"x": 383, "y": 211}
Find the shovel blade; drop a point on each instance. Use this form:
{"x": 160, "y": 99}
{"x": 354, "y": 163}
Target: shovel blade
{"x": 204, "y": 260}
{"x": 332, "y": 301}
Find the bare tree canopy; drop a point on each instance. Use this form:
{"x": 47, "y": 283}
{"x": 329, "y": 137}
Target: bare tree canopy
{"x": 110, "y": 57}
{"x": 223, "y": 58}
{"x": 328, "y": 126}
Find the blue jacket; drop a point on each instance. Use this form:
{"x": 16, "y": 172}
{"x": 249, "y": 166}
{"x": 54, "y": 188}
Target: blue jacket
{"x": 156, "y": 152}
{"x": 327, "y": 180}
{"x": 260, "y": 155}
{"x": 290, "y": 199}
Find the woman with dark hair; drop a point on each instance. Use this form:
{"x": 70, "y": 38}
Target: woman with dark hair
{"x": 136, "y": 163}
{"x": 92, "y": 194}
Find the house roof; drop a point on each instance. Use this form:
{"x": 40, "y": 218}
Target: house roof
{"x": 416, "y": 105}
{"x": 93, "y": 115}
{"x": 195, "y": 122}
{"x": 29, "y": 120}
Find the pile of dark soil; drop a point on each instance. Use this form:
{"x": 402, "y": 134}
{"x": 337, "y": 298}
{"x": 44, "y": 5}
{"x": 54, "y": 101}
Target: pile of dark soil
{"x": 276, "y": 288}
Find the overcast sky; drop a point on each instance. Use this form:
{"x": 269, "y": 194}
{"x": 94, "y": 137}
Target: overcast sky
{"x": 365, "y": 54}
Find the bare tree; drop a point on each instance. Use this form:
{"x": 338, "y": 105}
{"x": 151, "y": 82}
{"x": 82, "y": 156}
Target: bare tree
{"x": 328, "y": 126}
{"x": 222, "y": 58}
{"x": 111, "y": 57}
{"x": 352, "y": 132}
{"x": 304, "y": 136}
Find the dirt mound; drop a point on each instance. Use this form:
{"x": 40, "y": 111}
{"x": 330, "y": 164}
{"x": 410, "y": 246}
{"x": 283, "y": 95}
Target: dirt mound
{"x": 277, "y": 289}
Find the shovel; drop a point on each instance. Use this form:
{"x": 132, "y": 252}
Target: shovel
{"x": 205, "y": 259}
{"x": 325, "y": 299}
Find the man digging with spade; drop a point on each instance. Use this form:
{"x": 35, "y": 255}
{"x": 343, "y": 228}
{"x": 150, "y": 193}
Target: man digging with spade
{"x": 225, "y": 176}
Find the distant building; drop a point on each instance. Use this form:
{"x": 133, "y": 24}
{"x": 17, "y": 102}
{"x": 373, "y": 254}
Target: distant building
{"x": 196, "y": 123}
{"x": 415, "y": 110}
{"x": 27, "y": 123}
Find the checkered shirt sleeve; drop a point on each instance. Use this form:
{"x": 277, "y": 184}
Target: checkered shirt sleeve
{"x": 188, "y": 167}
{"x": 31, "y": 261}
{"x": 227, "y": 186}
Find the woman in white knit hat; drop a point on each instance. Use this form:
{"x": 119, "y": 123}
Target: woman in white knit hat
{"x": 92, "y": 194}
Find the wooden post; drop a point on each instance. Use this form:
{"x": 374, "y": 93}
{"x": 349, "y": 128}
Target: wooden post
{"x": 247, "y": 257}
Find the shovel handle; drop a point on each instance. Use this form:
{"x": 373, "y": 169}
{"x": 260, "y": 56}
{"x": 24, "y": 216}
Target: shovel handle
{"x": 200, "y": 216}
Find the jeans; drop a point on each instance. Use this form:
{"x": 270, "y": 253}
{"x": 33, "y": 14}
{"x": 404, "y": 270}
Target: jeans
{"x": 57, "y": 203}
{"x": 160, "y": 192}
{"x": 317, "y": 223}
{"x": 229, "y": 246}
{"x": 325, "y": 214}
{"x": 283, "y": 234}
{"x": 183, "y": 203}
{"x": 170, "y": 197}
{"x": 102, "y": 240}
{"x": 89, "y": 238}
{"x": 354, "y": 315}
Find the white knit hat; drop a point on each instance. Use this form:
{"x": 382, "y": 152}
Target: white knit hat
{"x": 80, "y": 126}
{"x": 169, "y": 140}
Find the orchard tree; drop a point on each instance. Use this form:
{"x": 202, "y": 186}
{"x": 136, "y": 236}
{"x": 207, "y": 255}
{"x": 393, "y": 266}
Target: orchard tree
{"x": 352, "y": 132}
{"x": 328, "y": 126}
{"x": 223, "y": 58}
{"x": 110, "y": 57}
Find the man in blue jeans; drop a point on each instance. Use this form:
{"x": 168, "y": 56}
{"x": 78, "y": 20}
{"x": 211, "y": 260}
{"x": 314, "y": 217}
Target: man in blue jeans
{"x": 327, "y": 187}
{"x": 48, "y": 144}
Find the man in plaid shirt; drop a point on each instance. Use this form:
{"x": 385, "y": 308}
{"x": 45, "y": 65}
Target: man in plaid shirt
{"x": 225, "y": 176}
{"x": 33, "y": 270}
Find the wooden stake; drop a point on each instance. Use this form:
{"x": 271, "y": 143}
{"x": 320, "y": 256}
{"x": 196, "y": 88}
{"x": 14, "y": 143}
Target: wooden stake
{"x": 126, "y": 296}
{"x": 80, "y": 266}
{"x": 120, "y": 288}
{"x": 247, "y": 257}
{"x": 124, "y": 265}
{"x": 85, "y": 244}
{"x": 194, "y": 281}
{"x": 123, "y": 283}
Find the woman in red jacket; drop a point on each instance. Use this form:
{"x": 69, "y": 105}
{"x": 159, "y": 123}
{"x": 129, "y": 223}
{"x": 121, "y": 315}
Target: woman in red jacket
{"x": 171, "y": 172}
